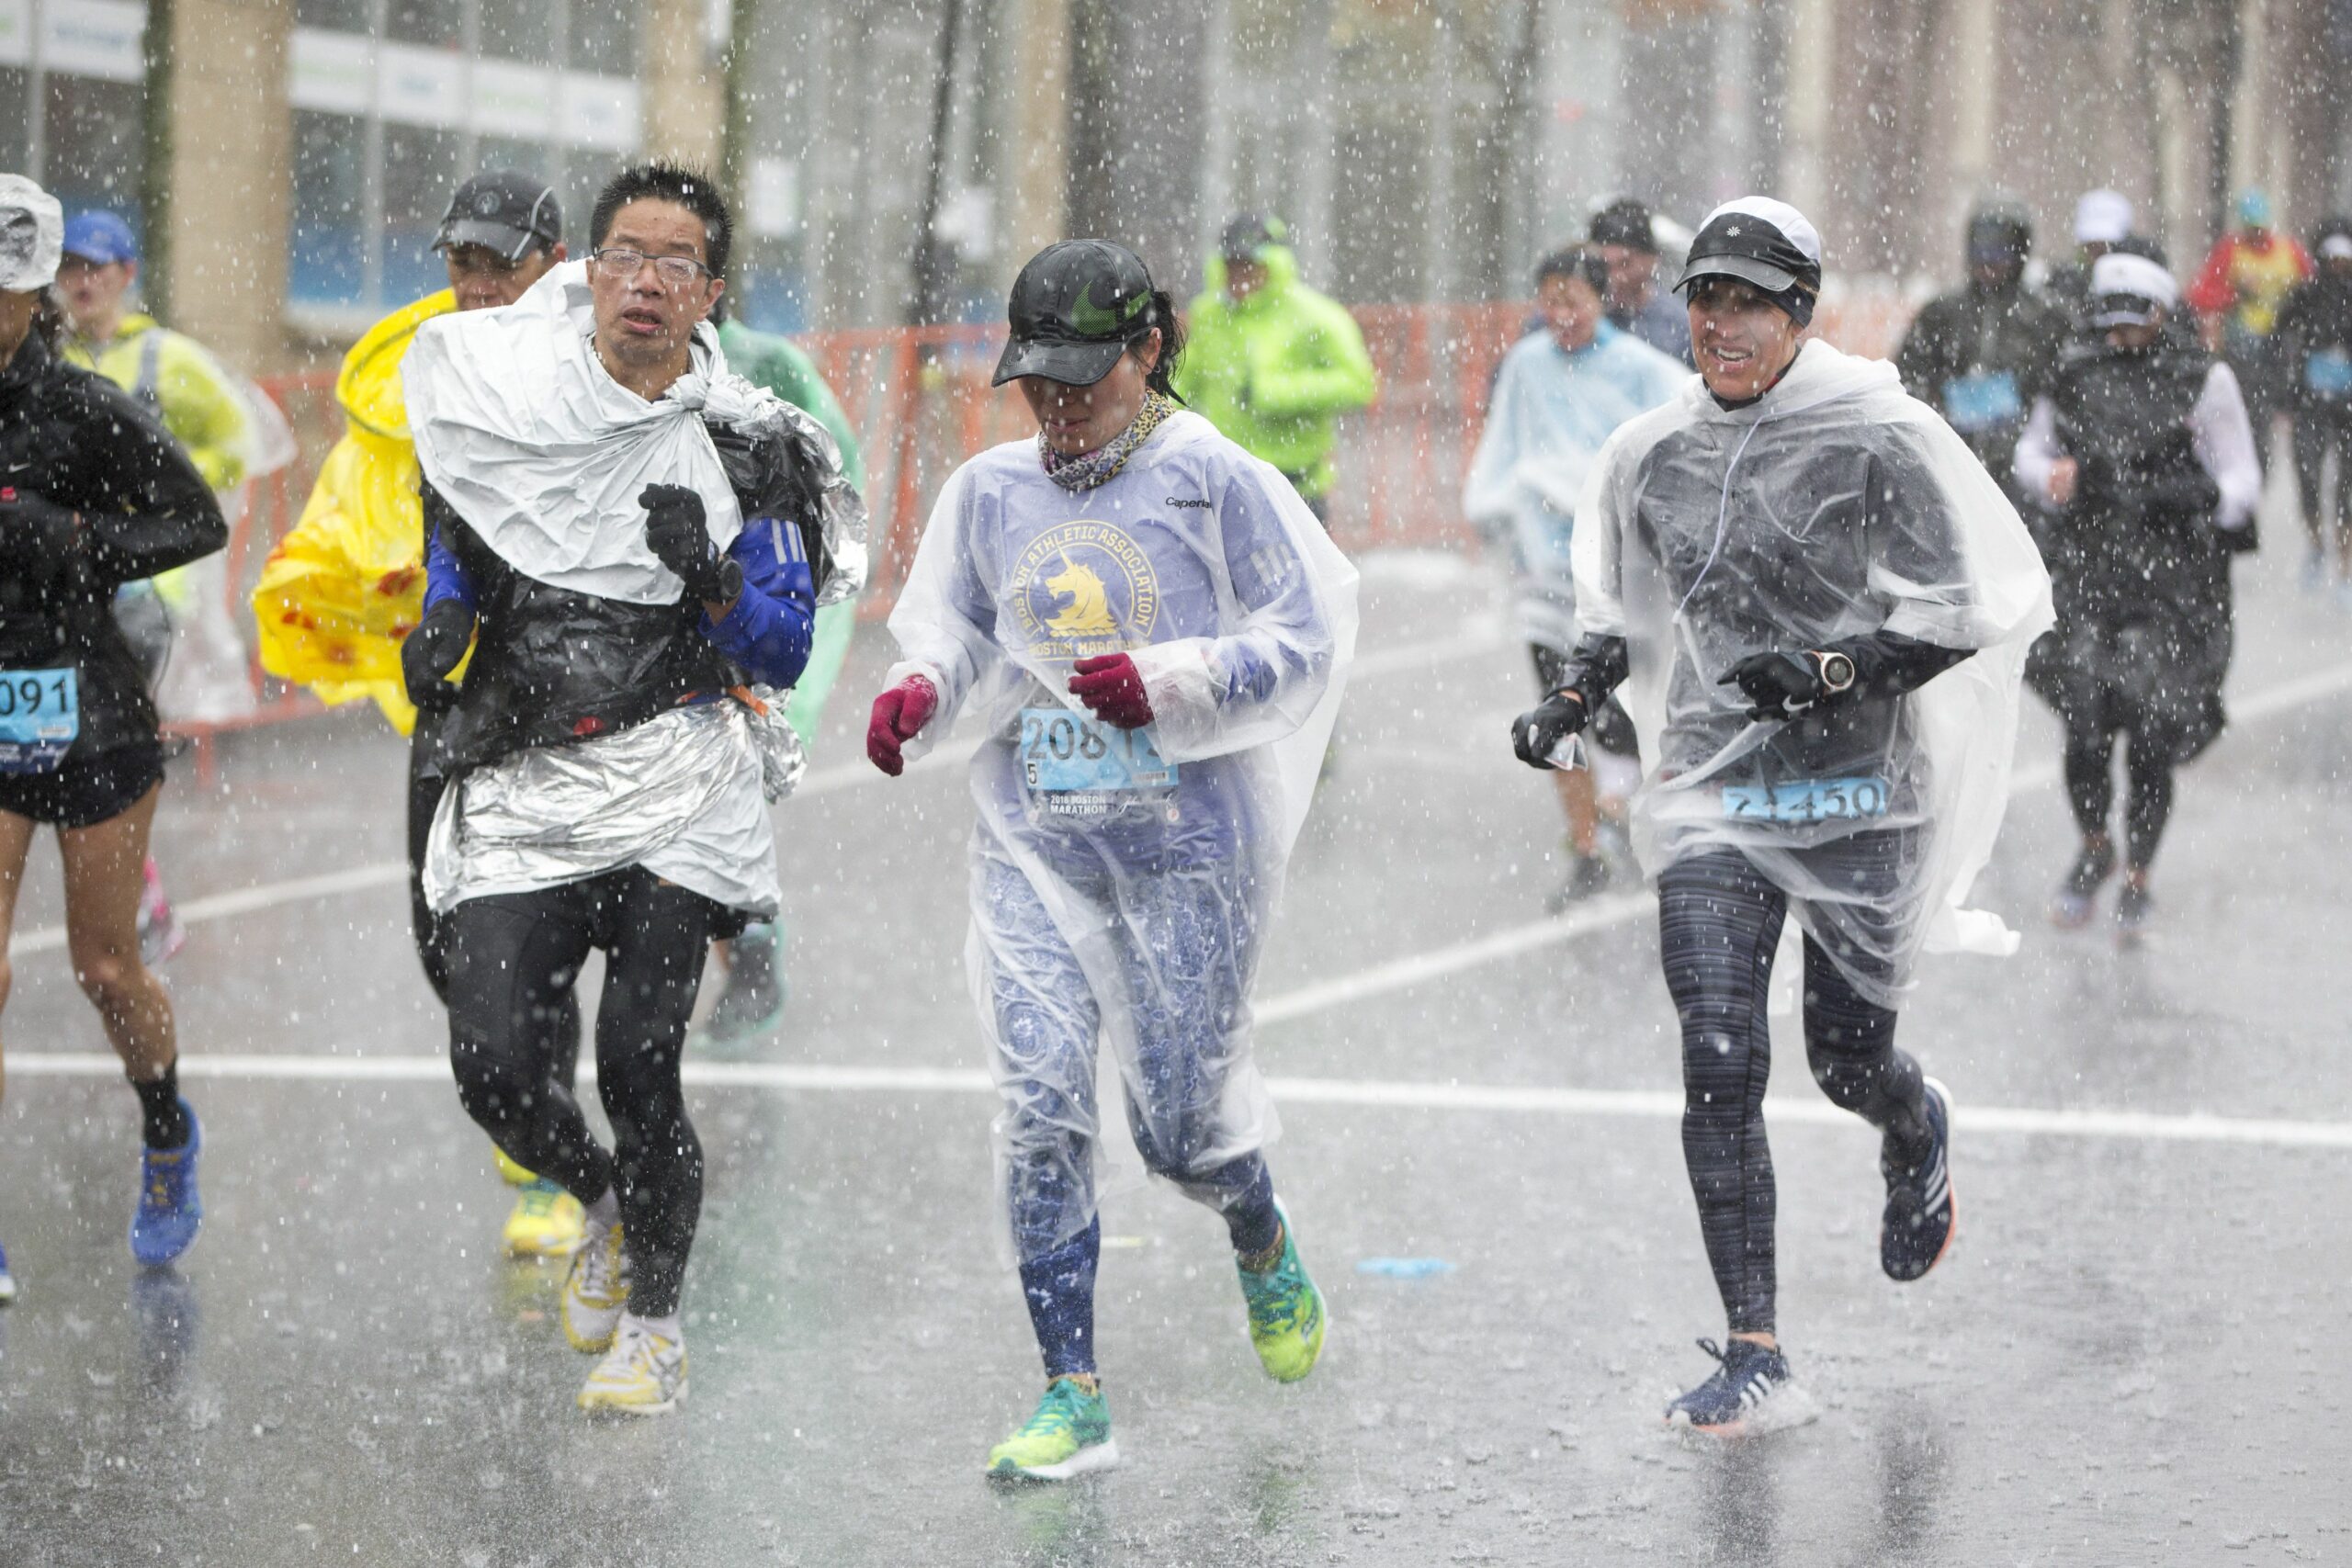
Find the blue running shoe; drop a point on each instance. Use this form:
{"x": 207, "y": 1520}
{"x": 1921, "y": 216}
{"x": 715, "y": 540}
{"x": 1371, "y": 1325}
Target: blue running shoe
{"x": 7, "y": 1280}
{"x": 164, "y": 1223}
{"x": 1916, "y": 1230}
{"x": 1752, "y": 1392}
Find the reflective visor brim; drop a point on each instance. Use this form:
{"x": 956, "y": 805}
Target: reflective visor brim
{"x": 1747, "y": 269}
{"x": 1073, "y": 364}
{"x": 506, "y": 240}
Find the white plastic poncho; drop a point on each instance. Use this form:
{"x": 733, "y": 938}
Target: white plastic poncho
{"x": 1122, "y": 886}
{"x": 1833, "y": 506}
{"x": 522, "y": 431}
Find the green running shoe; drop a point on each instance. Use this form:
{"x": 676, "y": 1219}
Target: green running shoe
{"x": 1287, "y": 1315}
{"x": 1069, "y": 1435}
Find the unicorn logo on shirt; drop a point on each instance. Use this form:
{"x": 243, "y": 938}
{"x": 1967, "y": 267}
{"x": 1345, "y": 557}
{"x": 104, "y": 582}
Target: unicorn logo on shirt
{"x": 1080, "y": 589}
{"x": 1087, "y": 612}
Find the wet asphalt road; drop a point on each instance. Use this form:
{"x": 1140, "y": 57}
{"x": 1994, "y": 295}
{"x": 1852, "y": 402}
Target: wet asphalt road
{"x": 2126, "y": 1359}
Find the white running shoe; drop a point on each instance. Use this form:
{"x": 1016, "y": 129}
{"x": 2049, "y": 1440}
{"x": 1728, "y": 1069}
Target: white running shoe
{"x": 598, "y": 1287}
{"x": 643, "y": 1374}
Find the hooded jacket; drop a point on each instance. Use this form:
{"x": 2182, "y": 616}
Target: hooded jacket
{"x": 2315, "y": 346}
{"x": 72, "y": 437}
{"x": 1980, "y": 357}
{"x": 346, "y": 584}
{"x": 1274, "y": 371}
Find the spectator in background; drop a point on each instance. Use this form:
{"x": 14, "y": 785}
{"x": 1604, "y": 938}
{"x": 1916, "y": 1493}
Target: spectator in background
{"x": 204, "y": 411}
{"x": 2314, "y": 344}
{"x": 1627, "y": 239}
{"x": 2103, "y": 220}
{"x": 2246, "y": 275}
{"x": 1271, "y": 363}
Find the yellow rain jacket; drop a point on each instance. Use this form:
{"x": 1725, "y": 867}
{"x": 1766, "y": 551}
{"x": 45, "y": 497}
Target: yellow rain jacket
{"x": 346, "y": 585}
{"x": 174, "y": 375}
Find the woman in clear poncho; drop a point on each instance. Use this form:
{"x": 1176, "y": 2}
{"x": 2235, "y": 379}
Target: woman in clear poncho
{"x": 1153, "y": 634}
{"x": 1817, "y": 604}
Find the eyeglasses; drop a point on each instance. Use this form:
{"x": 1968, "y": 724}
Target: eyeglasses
{"x": 675, "y": 272}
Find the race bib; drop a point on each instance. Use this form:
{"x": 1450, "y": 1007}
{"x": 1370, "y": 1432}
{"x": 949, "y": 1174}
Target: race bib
{"x": 2329, "y": 372}
{"x": 1062, "y": 752}
{"x": 1806, "y": 800}
{"x": 1983, "y": 401}
{"x": 40, "y": 712}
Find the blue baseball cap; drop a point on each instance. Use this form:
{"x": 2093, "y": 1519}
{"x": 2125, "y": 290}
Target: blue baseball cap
{"x": 101, "y": 237}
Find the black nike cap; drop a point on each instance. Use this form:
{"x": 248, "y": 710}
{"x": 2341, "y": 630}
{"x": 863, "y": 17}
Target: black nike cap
{"x": 1073, "y": 311}
{"x": 1758, "y": 241}
{"x": 503, "y": 211}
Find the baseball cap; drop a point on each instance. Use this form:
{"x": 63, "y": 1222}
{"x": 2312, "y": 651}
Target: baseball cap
{"x": 101, "y": 237}
{"x": 2335, "y": 240}
{"x": 1246, "y": 237}
{"x": 503, "y": 211}
{"x": 2102, "y": 217}
{"x": 1073, "y": 311}
{"x": 1759, "y": 241}
{"x": 2128, "y": 290}
{"x": 32, "y": 230}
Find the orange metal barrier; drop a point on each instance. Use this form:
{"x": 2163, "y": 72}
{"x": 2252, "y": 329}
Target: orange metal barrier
{"x": 920, "y": 400}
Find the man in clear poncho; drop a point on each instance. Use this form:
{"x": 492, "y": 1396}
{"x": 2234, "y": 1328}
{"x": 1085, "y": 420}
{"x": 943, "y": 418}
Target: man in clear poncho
{"x": 1153, "y": 634}
{"x": 1817, "y": 604}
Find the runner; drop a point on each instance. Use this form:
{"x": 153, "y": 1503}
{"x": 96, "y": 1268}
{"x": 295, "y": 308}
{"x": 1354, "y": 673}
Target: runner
{"x": 343, "y": 589}
{"x": 1823, "y": 601}
{"x": 2247, "y": 274}
{"x": 2315, "y": 354}
{"x": 638, "y": 535}
{"x": 205, "y": 413}
{"x": 1625, "y": 233}
{"x": 98, "y": 495}
{"x": 753, "y": 1003}
{"x": 1563, "y": 391}
{"x": 2144, "y": 452}
{"x": 1153, "y": 634}
{"x": 2103, "y": 220}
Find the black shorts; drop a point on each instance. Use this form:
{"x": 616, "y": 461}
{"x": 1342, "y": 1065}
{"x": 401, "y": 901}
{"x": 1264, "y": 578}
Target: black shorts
{"x": 86, "y": 791}
{"x": 1612, "y": 728}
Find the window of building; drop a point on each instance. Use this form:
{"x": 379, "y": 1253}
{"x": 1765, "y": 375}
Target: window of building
{"x": 72, "y": 100}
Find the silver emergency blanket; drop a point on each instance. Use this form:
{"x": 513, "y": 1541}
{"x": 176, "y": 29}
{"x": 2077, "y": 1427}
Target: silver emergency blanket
{"x": 519, "y": 427}
{"x": 1833, "y": 506}
{"x": 682, "y": 795}
{"x": 1131, "y": 911}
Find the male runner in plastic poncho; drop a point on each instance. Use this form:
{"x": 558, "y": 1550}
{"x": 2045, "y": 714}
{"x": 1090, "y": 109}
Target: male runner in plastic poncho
{"x": 1563, "y": 391}
{"x": 1824, "y": 604}
{"x": 1153, "y": 634}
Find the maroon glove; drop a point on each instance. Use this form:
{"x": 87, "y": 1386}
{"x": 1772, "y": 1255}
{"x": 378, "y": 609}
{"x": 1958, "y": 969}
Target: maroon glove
{"x": 900, "y": 715}
{"x": 1112, "y": 687}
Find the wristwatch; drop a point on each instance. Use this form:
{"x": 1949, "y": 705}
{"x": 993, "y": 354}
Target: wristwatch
{"x": 1837, "y": 670}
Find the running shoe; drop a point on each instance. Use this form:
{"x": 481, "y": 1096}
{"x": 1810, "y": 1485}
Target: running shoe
{"x": 598, "y": 1287}
{"x": 545, "y": 1222}
{"x": 2070, "y": 907}
{"x": 2135, "y": 910}
{"x": 1751, "y": 1391}
{"x": 1287, "y": 1315}
{"x": 1068, "y": 1435}
{"x": 509, "y": 1172}
{"x": 1921, "y": 1213}
{"x": 164, "y": 1226}
{"x": 161, "y": 935}
{"x": 7, "y": 1280}
{"x": 643, "y": 1374}
{"x": 753, "y": 1004}
{"x": 1588, "y": 875}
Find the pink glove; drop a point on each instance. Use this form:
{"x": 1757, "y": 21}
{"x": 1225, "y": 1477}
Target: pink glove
{"x": 900, "y": 715}
{"x": 1112, "y": 687}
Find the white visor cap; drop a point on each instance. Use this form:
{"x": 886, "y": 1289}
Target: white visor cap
{"x": 2128, "y": 290}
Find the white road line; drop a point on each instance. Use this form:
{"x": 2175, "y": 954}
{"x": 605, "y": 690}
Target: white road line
{"x": 1375, "y": 1093}
{"x": 1484, "y": 636}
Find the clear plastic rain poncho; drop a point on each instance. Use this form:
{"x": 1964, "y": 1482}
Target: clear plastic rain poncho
{"x": 1122, "y": 881}
{"x": 1833, "y": 507}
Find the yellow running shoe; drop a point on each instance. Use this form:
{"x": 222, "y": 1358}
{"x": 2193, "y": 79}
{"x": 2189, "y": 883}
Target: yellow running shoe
{"x": 547, "y": 1223}
{"x": 596, "y": 1290}
{"x": 1287, "y": 1315}
{"x": 644, "y": 1374}
{"x": 1068, "y": 1435}
{"x": 509, "y": 1172}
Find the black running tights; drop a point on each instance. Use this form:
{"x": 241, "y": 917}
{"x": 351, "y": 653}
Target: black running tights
{"x": 1719, "y": 921}
{"x": 513, "y": 961}
{"x": 2090, "y": 788}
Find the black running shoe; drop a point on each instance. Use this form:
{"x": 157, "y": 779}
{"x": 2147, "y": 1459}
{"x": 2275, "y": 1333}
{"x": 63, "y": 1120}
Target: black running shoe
{"x": 1752, "y": 1392}
{"x": 2135, "y": 910}
{"x": 1589, "y": 876}
{"x": 1917, "y": 1230}
{"x": 2070, "y": 906}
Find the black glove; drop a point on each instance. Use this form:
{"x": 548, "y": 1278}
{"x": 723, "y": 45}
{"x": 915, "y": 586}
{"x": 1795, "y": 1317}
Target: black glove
{"x": 432, "y": 650}
{"x": 1782, "y": 685}
{"x": 34, "y": 530}
{"x": 678, "y": 532}
{"x": 1533, "y": 735}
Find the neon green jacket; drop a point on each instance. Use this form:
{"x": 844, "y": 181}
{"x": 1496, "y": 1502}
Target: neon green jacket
{"x": 184, "y": 383}
{"x": 1275, "y": 371}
